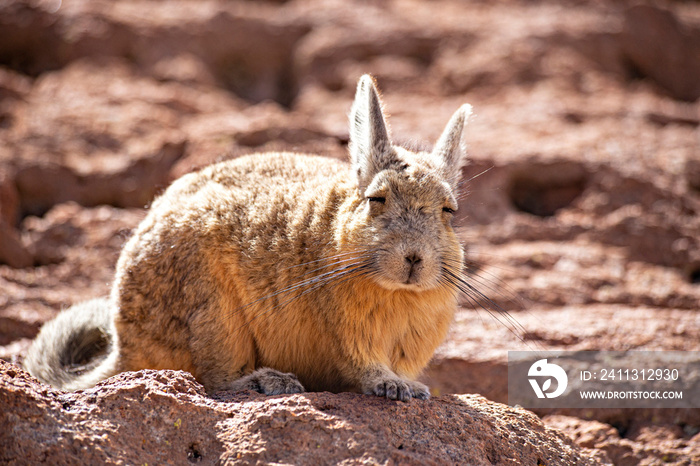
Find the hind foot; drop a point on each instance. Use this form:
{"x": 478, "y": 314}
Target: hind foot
{"x": 269, "y": 382}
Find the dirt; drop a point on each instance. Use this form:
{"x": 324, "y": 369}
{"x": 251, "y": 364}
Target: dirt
{"x": 178, "y": 423}
{"x": 581, "y": 212}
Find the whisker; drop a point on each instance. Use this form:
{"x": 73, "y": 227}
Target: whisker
{"x": 337, "y": 269}
{"x": 345, "y": 254}
{"x": 344, "y": 275}
{"x": 344, "y": 261}
{"x": 350, "y": 264}
{"x": 495, "y": 310}
{"x": 506, "y": 292}
{"x": 490, "y": 281}
{"x": 478, "y": 175}
{"x": 309, "y": 281}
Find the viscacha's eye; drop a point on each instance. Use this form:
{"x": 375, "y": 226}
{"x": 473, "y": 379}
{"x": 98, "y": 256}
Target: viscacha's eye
{"x": 448, "y": 210}
{"x": 380, "y": 200}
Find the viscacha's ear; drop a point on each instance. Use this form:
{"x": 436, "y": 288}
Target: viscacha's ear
{"x": 449, "y": 151}
{"x": 370, "y": 146}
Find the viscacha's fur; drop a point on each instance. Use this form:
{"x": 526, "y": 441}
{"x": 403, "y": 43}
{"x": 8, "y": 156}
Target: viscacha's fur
{"x": 282, "y": 272}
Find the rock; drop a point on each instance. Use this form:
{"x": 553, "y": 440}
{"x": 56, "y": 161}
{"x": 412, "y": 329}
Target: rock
{"x": 43, "y": 185}
{"x": 13, "y": 85}
{"x": 176, "y": 422}
{"x": 474, "y": 358}
{"x": 335, "y": 56}
{"x": 658, "y": 45}
{"x": 71, "y": 147}
{"x": 246, "y": 47}
{"x": 77, "y": 249}
{"x": 692, "y": 170}
{"x": 582, "y": 197}
{"x": 67, "y": 228}
{"x": 12, "y": 251}
{"x": 9, "y": 199}
{"x": 660, "y": 444}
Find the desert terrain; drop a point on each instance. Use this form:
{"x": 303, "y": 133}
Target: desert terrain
{"x": 580, "y": 217}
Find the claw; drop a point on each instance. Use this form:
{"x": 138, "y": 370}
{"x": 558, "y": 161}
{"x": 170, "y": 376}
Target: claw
{"x": 398, "y": 389}
{"x": 269, "y": 382}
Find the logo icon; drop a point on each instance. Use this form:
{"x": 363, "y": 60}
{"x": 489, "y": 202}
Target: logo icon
{"x": 542, "y": 368}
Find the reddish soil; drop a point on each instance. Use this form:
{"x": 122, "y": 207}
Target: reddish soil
{"x": 582, "y": 212}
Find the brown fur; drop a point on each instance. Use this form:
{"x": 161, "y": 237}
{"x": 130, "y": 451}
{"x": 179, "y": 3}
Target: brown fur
{"x": 280, "y": 272}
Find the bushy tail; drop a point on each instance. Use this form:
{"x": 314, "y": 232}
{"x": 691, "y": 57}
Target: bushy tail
{"x": 77, "y": 349}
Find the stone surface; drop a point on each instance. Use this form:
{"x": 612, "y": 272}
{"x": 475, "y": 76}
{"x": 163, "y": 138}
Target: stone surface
{"x": 76, "y": 249}
{"x": 648, "y": 443}
{"x": 580, "y": 218}
{"x": 12, "y": 251}
{"x": 661, "y": 47}
{"x": 175, "y": 422}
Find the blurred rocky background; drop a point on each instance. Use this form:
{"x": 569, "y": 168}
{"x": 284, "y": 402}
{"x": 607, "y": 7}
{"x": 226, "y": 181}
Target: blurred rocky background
{"x": 582, "y": 209}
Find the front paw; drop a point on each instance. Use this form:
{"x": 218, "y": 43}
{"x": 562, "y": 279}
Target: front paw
{"x": 269, "y": 382}
{"x": 419, "y": 390}
{"x": 398, "y": 389}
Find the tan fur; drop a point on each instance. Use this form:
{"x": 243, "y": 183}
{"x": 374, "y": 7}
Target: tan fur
{"x": 336, "y": 275}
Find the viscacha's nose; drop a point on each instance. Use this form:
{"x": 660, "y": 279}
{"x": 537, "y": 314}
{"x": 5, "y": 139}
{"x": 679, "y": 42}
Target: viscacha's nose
{"x": 413, "y": 259}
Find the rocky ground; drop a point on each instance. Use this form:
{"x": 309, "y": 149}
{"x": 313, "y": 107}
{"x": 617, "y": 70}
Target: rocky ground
{"x": 582, "y": 217}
